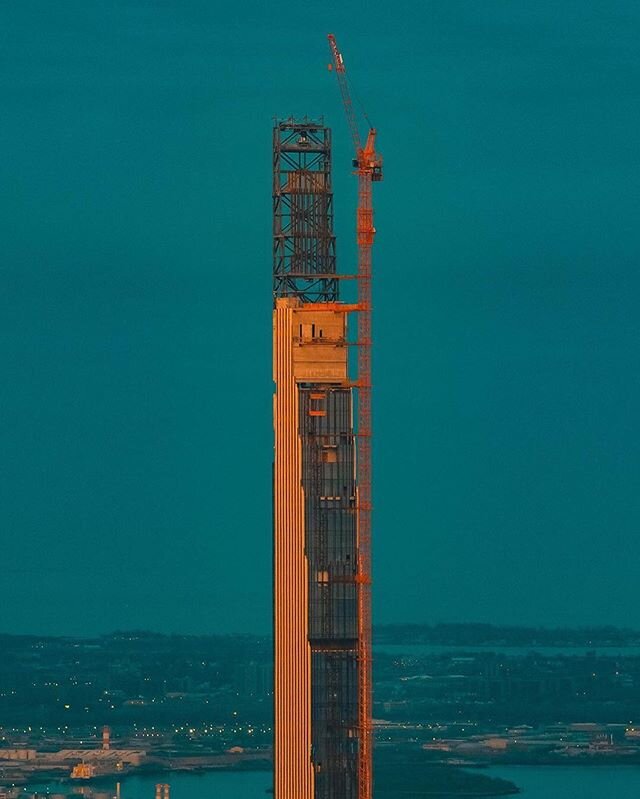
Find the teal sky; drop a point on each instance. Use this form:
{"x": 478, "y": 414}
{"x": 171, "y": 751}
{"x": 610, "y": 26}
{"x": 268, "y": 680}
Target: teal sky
{"x": 135, "y": 405}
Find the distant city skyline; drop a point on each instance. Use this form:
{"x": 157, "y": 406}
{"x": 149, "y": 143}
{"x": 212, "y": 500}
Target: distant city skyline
{"x": 136, "y": 174}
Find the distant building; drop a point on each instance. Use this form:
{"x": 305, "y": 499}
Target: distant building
{"x": 18, "y": 754}
{"x": 254, "y": 680}
{"x": 83, "y": 771}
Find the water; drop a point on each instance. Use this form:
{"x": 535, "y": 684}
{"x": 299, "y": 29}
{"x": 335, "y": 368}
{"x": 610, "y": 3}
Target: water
{"x": 536, "y": 782}
{"x": 220, "y": 784}
{"x": 516, "y": 651}
{"x": 573, "y": 782}
{"x": 210, "y": 785}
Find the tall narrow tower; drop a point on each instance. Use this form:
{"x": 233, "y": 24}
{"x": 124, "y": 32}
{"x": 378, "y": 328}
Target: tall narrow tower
{"x": 318, "y": 728}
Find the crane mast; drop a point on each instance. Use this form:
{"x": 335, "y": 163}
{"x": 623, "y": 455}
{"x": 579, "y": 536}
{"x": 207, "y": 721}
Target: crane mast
{"x": 368, "y": 169}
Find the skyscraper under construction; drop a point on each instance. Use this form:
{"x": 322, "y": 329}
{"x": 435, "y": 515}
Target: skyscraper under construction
{"x": 318, "y": 729}
{"x": 322, "y": 469}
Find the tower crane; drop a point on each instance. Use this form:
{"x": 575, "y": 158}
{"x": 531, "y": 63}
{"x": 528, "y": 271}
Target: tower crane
{"x": 368, "y": 168}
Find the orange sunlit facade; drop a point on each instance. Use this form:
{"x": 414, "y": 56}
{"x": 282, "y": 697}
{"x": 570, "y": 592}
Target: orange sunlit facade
{"x": 297, "y": 358}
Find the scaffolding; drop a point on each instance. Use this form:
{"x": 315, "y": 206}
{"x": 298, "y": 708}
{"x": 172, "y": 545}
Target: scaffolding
{"x": 304, "y": 247}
